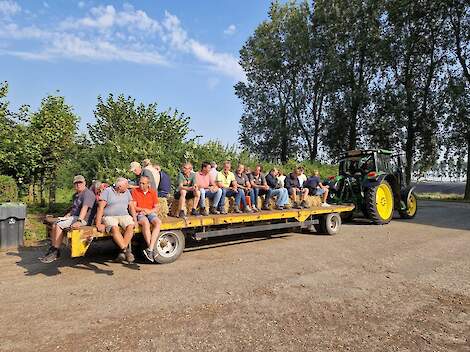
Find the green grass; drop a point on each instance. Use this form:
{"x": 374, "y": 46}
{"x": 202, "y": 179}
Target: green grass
{"x": 442, "y": 197}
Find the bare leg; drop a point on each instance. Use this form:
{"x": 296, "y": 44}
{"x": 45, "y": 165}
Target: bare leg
{"x": 197, "y": 196}
{"x": 145, "y": 226}
{"x": 57, "y": 236}
{"x": 304, "y": 193}
{"x": 182, "y": 201}
{"x": 128, "y": 234}
{"x": 155, "y": 232}
{"x": 294, "y": 195}
{"x": 325, "y": 195}
{"x": 117, "y": 237}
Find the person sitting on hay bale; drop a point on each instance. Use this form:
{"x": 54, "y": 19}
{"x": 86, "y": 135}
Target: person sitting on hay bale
{"x": 295, "y": 189}
{"x": 82, "y": 204}
{"x": 226, "y": 181}
{"x": 187, "y": 189}
{"x": 317, "y": 188}
{"x": 276, "y": 190}
{"x": 208, "y": 188}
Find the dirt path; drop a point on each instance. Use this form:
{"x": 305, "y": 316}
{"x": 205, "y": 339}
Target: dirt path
{"x": 400, "y": 287}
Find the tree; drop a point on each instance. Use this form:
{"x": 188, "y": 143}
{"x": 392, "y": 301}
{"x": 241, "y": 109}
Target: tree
{"x": 413, "y": 59}
{"x": 125, "y": 131}
{"x": 53, "y": 128}
{"x": 276, "y": 123}
{"x": 354, "y": 29}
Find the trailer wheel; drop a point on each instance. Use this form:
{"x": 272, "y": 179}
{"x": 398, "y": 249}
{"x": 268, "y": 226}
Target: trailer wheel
{"x": 329, "y": 224}
{"x": 411, "y": 207}
{"x": 169, "y": 246}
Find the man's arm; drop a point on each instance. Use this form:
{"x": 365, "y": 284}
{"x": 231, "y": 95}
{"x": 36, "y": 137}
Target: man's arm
{"x": 99, "y": 215}
{"x": 81, "y": 217}
{"x": 132, "y": 211}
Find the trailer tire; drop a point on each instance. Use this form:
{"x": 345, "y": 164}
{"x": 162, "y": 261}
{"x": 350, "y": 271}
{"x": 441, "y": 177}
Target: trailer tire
{"x": 329, "y": 224}
{"x": 169, "y": 246}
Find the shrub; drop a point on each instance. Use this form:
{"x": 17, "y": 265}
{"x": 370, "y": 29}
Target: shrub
{"x": 8, "y": 189}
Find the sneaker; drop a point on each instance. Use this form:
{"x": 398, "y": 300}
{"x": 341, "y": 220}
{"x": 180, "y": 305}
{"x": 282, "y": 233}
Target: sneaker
{"x": 222, "y": 211}
{"x": 214, "y": 211}
{"x": 325, "y": 205}
{"x": 296, "y": 206}
{"x": 182, "y": 214}
{"x": 279, "y": 207}
{"x": 255, "y": 209}
{"x": 148, "y": 254}
{"x": 247, "y": 209}
{"x": 51, "y": 255}
{"x": 129, "y": 256}
{"x": 195, "y": 212}
{"x": 204, "y": 212}
{"x": 304, "y": 205}
{"x": 120, "y": 257}
{"x": 237, "y": 210}
{"x": 265, "y": 207}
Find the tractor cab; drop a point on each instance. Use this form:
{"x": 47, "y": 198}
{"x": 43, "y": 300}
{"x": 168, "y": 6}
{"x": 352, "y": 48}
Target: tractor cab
{"x": 373, "y": 179}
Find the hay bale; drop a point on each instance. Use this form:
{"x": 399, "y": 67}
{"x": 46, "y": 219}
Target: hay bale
{"x": 163, "y": 208}
{"x": 313, "y": 201}
{"x": 189, "y": 205}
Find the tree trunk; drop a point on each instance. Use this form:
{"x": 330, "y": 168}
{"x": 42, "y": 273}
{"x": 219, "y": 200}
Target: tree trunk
{"x": 41, "y": 192}
{"x": 467, "y": 184}
{"x": 52, "y": 191}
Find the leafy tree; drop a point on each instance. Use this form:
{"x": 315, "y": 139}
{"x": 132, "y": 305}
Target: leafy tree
{"x": 53, "y": 128}
{"x": 125, "y": 131}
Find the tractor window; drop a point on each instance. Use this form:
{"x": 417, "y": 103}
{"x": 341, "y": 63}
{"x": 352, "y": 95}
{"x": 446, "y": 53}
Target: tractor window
{"x": 356, "y": 165}
{"x": 384, "y": 164}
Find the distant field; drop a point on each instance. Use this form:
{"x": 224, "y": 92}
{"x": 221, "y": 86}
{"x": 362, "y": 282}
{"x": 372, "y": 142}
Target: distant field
{"x": 454, "y": 188}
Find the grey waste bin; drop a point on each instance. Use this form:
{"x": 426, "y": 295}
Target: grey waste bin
{"x": 12, "y": 217}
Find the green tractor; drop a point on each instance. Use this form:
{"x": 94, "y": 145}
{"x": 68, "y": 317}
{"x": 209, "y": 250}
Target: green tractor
{"x": 374, "y": 181}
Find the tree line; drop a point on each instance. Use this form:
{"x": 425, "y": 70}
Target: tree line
{"x": 42, "y": 150}
{"x": 331, "y": 75}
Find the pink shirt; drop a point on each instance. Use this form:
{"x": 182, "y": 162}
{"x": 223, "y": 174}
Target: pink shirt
{"x": 204, "y": 181}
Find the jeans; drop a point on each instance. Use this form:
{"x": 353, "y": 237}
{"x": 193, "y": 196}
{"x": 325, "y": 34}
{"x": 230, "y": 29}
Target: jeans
{"x": 258, "y": 192}
{"x": 215, "y": 196}
{"x": 281, "y": 194}
{"x": 239, "y": 197}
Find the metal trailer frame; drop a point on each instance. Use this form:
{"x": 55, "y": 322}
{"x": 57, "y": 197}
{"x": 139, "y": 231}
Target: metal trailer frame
{"x": 199, "y": 227}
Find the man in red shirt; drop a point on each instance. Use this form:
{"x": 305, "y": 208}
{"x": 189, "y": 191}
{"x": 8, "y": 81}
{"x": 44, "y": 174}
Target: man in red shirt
{"x": 146, "y": 201}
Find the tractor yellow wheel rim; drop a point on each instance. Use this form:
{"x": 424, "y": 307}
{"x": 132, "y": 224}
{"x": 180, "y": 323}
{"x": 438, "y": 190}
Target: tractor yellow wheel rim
{"x": 411, "y": 205}
{"x": 384, "y": 200}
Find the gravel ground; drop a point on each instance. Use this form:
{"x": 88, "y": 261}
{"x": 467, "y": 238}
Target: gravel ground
{"x": 399, "y": 287}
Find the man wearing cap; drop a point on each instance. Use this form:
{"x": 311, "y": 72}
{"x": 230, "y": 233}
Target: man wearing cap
{"x": 138, "y": 171}
{"x": 82, "y": 204}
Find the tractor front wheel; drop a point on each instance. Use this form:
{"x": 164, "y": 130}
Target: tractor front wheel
{"x": 411, "y": 207}
{"x": 379, "y": 203}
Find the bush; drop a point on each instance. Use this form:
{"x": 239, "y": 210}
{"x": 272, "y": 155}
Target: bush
{"x": 8, "y": 189}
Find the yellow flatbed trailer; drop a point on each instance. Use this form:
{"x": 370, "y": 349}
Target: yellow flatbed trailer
{"x": 171, "y": 242}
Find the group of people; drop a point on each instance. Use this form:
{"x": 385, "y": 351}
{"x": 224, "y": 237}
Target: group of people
{"x": 130, "y": 203}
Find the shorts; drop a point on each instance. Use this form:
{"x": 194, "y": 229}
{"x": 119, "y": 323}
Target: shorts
{"x": 291, "y": 191}
{"x": 189, "y": 195}
{"x": 150, "y": 217}
{"x": 66, "y": 222}
{"x": 319, "y": 192}
{"x": 121, "y": 220}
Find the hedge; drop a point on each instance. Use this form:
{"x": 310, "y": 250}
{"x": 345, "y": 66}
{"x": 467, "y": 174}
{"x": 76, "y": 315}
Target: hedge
{"x": 8, "y": 189}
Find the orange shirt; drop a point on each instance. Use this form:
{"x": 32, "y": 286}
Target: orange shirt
{"x": 145, "y": 200}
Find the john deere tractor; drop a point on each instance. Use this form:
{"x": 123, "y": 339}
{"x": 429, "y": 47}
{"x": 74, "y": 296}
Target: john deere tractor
{"x": 374, "y": 181}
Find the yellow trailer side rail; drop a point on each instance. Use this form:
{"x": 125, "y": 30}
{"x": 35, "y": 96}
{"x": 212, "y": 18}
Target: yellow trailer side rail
{"x": 80, "y": 239}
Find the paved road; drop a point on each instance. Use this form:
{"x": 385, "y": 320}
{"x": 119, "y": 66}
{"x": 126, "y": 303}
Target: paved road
{"x": 400, "y": 287}
{"x": 441, "y": 187}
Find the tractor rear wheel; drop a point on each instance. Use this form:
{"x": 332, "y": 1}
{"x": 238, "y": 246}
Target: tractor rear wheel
{"x": 411, "y": 207}
{"x": 379, "y": 203}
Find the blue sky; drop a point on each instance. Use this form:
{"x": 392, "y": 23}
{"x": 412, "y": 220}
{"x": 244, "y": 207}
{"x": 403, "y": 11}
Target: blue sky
{"x": 182, "y": 54}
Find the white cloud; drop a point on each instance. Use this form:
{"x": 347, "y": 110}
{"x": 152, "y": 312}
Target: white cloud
{"x": 230, "y": 30}
{"x": 109, "y": 34}
{"x": 9, "y": 7}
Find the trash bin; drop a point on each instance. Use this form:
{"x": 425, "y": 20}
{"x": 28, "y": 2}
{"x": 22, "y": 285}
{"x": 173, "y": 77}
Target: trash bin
{"x": 12, "y": 217}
